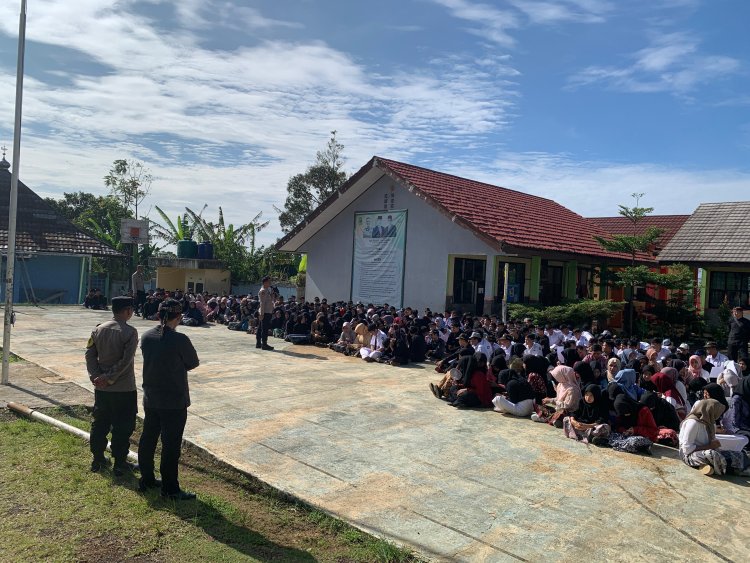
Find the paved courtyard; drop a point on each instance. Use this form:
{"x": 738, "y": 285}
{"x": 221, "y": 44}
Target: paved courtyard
{"x": 370, "y": 444}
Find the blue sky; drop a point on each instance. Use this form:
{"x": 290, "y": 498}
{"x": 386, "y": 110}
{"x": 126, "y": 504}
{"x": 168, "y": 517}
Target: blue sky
{"x": 582, "y": 101}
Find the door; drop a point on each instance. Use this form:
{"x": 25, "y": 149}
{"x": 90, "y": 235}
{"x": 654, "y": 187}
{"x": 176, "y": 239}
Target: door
{"x": 194, "y": 283}
{"x": 468, "y": 284}
{"x": 516, "y": 281}
{"x": 550, "y": 284}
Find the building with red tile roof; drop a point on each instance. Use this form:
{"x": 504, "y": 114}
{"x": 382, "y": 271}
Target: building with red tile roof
{"x": 620, "y": 225}
{"x": 471, "y": 234}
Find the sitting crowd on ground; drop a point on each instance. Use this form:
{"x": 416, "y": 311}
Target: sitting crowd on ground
{"x": 622, "y": 393}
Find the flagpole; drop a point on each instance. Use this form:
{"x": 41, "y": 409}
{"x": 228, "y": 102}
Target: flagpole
{"x": 13, "y": 208}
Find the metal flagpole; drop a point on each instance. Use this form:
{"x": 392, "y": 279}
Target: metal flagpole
{"x": 11, "y": 259}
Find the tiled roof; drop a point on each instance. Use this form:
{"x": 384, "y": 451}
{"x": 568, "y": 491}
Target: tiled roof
{"x": 715, "y": 232}
{"x": 514, "y": 219}
{"x": 39, "y": 229}
{"x": 621, "y": 226}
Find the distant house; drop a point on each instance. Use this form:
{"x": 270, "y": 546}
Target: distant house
{"x": 51, "y": 252}
{"x": 715, "y": 240}
{"x": 407, "y": 235}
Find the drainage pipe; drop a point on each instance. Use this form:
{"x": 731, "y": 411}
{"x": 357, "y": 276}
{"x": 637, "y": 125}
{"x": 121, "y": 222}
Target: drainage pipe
{"x": 35, "y": 415}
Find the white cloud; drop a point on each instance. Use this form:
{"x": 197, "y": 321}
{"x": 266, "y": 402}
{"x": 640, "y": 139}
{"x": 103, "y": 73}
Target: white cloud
{"x": 671, "y": 63}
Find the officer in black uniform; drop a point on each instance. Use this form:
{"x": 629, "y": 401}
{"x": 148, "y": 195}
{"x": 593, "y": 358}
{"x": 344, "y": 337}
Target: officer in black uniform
{"x": 110, "y": 354}
{"x": 167, "y": 357}
{"x": 739, "y": 334}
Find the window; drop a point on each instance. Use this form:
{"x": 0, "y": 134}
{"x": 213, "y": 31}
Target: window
{"x": 584, "y": 283}
{"x": 732, "y": 286}
{"x": 468, "y": 280}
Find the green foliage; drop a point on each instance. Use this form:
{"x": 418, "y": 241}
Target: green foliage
{"x": 182, "y": 229}
{"x": 720, "y": 329}
{"x": 576, "y": 312}
{"x": 680, "y": 277}
{"x": 80, "y": 208}
{"x": 130, "y": 182}
{"x": 307, "y": 191}
{"x": 676, "y": 317}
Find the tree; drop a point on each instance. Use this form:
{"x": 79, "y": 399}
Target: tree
{"x": 81, "y": 207}
{"x": 641, "y": 241}
{"x": 181, "y": 229}
{"x": 130, "y": 182}
{"x": 307, "y": 191}
{"x": 231, "y": 244}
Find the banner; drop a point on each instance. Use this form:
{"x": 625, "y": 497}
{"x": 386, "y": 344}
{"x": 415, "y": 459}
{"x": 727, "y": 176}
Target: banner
{"x": 378, "y": 261}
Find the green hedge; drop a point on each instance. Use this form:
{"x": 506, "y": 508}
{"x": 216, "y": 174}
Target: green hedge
{"x": 575, "y": 312}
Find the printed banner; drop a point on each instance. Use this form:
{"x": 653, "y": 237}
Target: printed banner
{"x": 378, "y": 263}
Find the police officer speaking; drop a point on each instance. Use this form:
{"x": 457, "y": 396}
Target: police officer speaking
{"x": 110, "y": 354}
{"x": 167, "y": 357}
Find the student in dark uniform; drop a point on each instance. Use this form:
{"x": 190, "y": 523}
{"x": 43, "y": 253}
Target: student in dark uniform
{"x": 110, "y": 354}
{"x": 167, "y": 357}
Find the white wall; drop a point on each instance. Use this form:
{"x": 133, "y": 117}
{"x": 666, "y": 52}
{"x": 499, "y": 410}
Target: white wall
{"x": 430, "y": 237}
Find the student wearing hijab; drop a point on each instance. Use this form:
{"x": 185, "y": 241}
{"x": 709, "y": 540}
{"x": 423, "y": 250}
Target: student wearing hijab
{"x": 570, "y": 357}
{"x": 695, "y": 370}
{"x": 736, "y": 420}
{"x": 699, "y": 447}
{"x": 635, "y": 427}
{"x": 666, "y": 388}
{"x": 536, "y": 374}
{"x": 567, "y": 396}
{"x": 474, "y": 388}
{"x": 442, "y": 389}
{"x": 644, "y": 381}
{"x": 590, "y": 422}
{"x": 665, "y": 417}
{"x": 613, "y": 367}
{"x": 585, "y": 374}
{"x": 625, "y": 380}
{"x": 519, "y": 399}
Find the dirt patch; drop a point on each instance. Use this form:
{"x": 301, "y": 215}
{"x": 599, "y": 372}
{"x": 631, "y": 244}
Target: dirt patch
{"x": 107, "y": 547}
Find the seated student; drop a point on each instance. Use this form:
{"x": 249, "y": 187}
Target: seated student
{"x": 567, "y": 397}
{"x": 636, "y": 430}
{"x": 590, "y": 422}
{"x": 644, "y": 381}
{"x": 473, "y": 389}
{"x": 441, "y": 390}
{"x": 396, "y": 352}
{"x": 665, "y": 417}
{"x": 519, "y": 396}
{"x": 666, "y": 388}
{"x": 436, "y": 347}
{"x": 300, "y": 331}
{"x": 625, "y": 380}
{"x": 346, "y": 338}
{"x": 613, "y": 366}
{"x": 95, "y": 300}
{"x": 374, "y": 348}
{"x": 451, "y": 359}
{"x": 193, "y": 316}
{"x": 321, "y": 330}
{"x": 277, "y": 323}
{"x": 736, "y": 419}
{"x": 535, "y": 368}
{"x": 699, "y": 447}
{"x": 417, "y": 344}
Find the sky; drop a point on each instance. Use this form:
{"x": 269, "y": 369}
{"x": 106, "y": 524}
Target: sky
{"x": 582, "y": 101}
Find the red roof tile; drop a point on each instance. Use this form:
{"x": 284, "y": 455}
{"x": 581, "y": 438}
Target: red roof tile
{"x": 621, "y": 226}
{"x": 514, "y": 219}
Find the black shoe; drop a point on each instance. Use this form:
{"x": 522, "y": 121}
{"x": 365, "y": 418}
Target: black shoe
{"x": 143, "y": 486}
{"x": 258, "y": 346}
{"x": 435, "y": 390}
{"x": 98, "y": 464}
{"x": 182, "y": 495}
{"x": 122, "y": 469}
{"x": 266, "y": 347}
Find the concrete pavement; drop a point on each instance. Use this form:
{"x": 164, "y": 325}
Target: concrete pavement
{"x": 370, "y": 444}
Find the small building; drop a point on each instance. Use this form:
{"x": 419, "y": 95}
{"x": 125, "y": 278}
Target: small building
{"x": 405, "y": 235}
{"x": 192, "y": 275}
{"x": 52, "y": 254}
{"x": 715, "y": 241}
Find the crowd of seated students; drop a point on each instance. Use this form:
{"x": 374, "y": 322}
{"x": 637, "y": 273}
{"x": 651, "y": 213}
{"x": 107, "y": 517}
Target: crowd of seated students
{"x": 95, "y": 300}
{"x": 607, "y": 391}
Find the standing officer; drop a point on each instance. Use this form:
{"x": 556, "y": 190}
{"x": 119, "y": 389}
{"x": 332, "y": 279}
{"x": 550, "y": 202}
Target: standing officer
{"x": 739, "y": 334}
{"x": 110, "y": 353}
{"x": 167, "y": 357}
{"x": 264, "y": 315}
{"x": 138, "y": 282}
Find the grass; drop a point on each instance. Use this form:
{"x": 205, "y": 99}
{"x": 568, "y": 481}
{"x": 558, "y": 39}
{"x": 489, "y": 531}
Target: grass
{"x": 11, "y": 357}
{"x": 52, "y": 508}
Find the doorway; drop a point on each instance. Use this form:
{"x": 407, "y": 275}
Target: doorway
{"x": 468, "y": 284}
{"x": 550, "y": 284}
{"x": 516, "y": 281}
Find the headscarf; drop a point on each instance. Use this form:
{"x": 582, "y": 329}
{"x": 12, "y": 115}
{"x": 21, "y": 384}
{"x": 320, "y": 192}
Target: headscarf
{"x": 627, "y": 410}
{"x": 592, "y": 413}
{"x": 716, "y": 391}
{"x": 625, "y": 378}
{"x": 732, "y": 378}
{"x": 585, "y": 373}
{"x": 664, "y": 414}
{"x": 707, "y": 412}
{"x": 666, "y": 386}
{"x": 679, "y": 365}
{"x": 613, "y": 361}
{"x": 499, "y": 364}
{"x": 516, "y": 364}
{"x": 519, "y": 390}
{"x": 467, "y": 365}
{"x": 695, "y": 368}
{"x": 567, "y": 388}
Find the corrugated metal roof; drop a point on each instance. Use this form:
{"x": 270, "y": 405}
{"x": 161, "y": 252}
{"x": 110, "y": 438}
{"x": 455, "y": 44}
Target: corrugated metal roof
{"x": 715, "y": 232}
{"x": 39, "y": 229}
